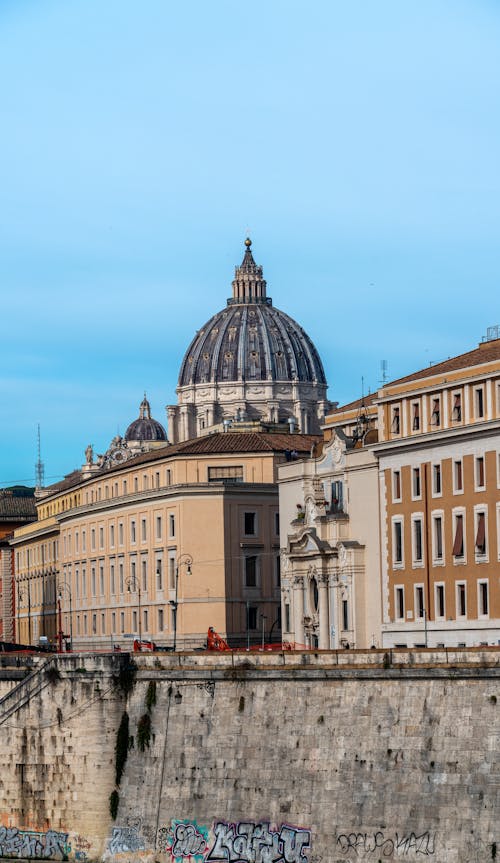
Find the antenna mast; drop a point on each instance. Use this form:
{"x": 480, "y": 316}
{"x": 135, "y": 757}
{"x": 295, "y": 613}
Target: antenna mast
{"x": 383, "y": 368}
{"x": 39, "y": 467}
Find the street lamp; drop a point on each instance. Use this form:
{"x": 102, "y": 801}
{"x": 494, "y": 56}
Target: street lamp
{"x": 264, "y": 618}
{"x": 22, "y": 594}
{"x": 63, "y": 585}
{"x": 184, "y": 560}
{"x": 133, "y": 584}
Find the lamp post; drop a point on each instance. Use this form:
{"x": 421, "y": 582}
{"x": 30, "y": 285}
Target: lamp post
{"x": 133, "y": 584}
{"x": 22, "y": 594}
{"x": 264, "y": 618}
{"x": 184, "y": 560}
{"x": 63, "y": 585}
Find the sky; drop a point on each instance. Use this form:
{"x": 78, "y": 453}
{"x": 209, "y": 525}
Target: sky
{"x": 357, "y": 143}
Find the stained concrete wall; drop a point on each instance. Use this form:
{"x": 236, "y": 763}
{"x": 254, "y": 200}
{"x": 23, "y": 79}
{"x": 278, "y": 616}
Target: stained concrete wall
{"x": 294, "y": 758}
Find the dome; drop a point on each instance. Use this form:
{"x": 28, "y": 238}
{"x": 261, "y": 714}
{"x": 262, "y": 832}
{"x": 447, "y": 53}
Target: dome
{"x": 250, "y": 362}
{"x": 145, "y": 428}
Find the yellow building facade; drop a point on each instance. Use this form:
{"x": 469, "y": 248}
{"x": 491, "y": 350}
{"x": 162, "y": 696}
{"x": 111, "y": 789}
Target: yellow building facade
{"x": 160, "y": 548}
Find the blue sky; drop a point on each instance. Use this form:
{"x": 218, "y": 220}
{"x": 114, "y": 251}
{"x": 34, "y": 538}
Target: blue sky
{"x": 357, "y": 142}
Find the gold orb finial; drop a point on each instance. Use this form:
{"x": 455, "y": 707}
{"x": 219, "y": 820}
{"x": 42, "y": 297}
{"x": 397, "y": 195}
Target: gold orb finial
{"x": 248, "y": 242}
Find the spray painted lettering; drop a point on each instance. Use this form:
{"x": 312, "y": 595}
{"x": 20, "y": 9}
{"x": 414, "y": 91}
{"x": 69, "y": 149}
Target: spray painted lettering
{"x": 126, "y": 839}
{"x": 255, "y": 842}
{"x": 33, "y": 843}
{"x": 185, "y": 839}
{"x": 387, "y": 846}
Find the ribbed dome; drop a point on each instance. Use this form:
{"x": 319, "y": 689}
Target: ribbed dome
{"x": 250, "y": 340}
{"x": 145, "y": 428}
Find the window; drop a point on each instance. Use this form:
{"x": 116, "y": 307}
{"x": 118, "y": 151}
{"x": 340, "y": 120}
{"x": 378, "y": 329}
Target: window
{"x": 77, "y": 583}
{"x": 461, "y": 599}
{"x": 480, "y": 472}
{"x": 103, "y": 623}
{"x": 160, "y": 620}
{"x": 157, "y": 480}
{"x": 417, "y": 540}
{"x": 438, "y": 538}
{"x": 134, "y": 620}
{"x": 145, "y": 481}
{"x": 440, "y": 609}
{"x": 399, "y": 596}
{"x": 159, "y": 574}
{"x": 481, "y": 534}
{"x": 94, "y": 624}
{"x": 92, "y": 538}
{"x": 171, "y": 571}
{"x": 84, "y": 540}
{"x": 120, "y": 533}
{"x": 101, "y": 579}
{"x": 436, "y": 412}
{"x": 77, "y": 543}
{"x": 479, "y": 402}
{"x": 145, "y": 620}
{"x": 396, "y": 421}
{"x": 112, "y": 578}
{"x": 168, "y": 477}
{"x": 482, "y": 596}
{"x": 456, "y": 413}
{"x": 113, "y": 621}
{"x": 345, "y": 614}
{"x": 84, "y": 582}
{"x": 144, "y": 574}
{"x": 144, "y": 530}
{"x": 136, "y": 483}
{"x": 458, "y": 481}
{"x": 436, "y": 479}
{"x": 278, "y": 570}
{"x": 101, "y": 537}
{"x": 251, "y": 617}
{"x": 337, "y": 496}
{"x": 276, "y": 523}
{"x": 132, "y": 531}
{"x": 249, "y": 523}
{"x": 120, "y": 573}
{"x": 416, "y": 487}
{"x": 159, "y": 527}
{"x": 124, "y": 486}
{"x": 112, "y": 535}
{"x": 92, "y": 580}
{"x": 415, "y": 424}
{"x": 122, "y": 621}
{"x": 226, "y": 474}
{"x": 171, "y": 525}
{"x": 419, "y": 602}
{"x": 251, "y": 571}
{"x": 396, "y": 485}
{"x": 397, "y": 542}
{"x": 85, "y": 624}
{"x": 458, "y": 541}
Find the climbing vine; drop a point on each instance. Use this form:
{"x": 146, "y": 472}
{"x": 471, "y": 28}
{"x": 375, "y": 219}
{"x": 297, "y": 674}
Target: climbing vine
{"x": 144, "y": 731}
{"x": 121, "y": 747}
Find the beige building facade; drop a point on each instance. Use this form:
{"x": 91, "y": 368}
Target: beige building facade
{"x": 160, "y": 548}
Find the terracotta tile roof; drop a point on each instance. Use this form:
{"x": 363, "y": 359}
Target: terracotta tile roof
{"x": 14, "y": 507}
{"x": 356, "y": 404}
{"x": 487, "y": 352}
{"x": 215, "y": 444}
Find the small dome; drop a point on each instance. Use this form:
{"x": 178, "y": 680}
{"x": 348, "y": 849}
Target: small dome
{"x": 145, "y": 428}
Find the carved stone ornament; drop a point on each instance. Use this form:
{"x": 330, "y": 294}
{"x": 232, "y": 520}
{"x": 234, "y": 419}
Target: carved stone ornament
{"x": 337, "y": 451}
{"x": 342, "y": 553}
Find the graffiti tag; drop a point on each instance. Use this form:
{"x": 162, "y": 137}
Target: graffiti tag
{"x": 32, "y": 843}
{"x": 255, "y": 842}
{"x": 187, "y": 839}
{"x": 387, "y": 846}
{"x": 125, "y": 839}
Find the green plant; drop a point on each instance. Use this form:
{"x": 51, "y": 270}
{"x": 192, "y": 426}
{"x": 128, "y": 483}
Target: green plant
{"x": 493, "y": 699}
{"x": 114, "y": 799}
{"x": 150, "y": 700}
{"x": 125, "y": 679}
{"x": 386, "y": 660}
{"x": 493, "y": 850}
{"x": 241, "y": 705}
{"x": 321, "y": 720}
{"x": 53, "y": 674}
{"x": 144, "y": 731}
{"x": 121, "y": 747}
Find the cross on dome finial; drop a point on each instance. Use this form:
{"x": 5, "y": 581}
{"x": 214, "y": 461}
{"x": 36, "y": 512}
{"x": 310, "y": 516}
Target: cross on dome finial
{"x": 249, "y": 284}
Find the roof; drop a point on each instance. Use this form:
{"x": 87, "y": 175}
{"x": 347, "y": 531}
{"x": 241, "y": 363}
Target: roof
{"x": 487, "y": 352}
{"x": 17, "y": 505}
{"x": 366, "y": 401}
{"x": 220, "y": 443}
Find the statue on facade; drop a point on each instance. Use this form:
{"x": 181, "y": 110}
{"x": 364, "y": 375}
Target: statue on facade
{"x": 89, "y": 454}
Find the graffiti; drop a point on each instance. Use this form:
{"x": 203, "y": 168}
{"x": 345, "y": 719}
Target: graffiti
{"x": 186, "y": 839}
{"x": 254, "y": 842}
{"x": 208, "y": 686}
{"x": 387, "y": 846}
{"x": 81, "y": 856}
{"x": 126, "y": 839}
{"x": 80, "y": 843}
{"x": 32, "y": 843}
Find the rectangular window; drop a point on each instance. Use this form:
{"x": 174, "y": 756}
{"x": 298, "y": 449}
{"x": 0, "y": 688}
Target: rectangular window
{"x": 396, "y": 485}
{"x": 438, "y": 538}
{"x": 77, "y": 583}
{"x": 440, "y": 609}
{"x": 252, "y": 617}
{"x": 113, "y": 622}
{"x": 226, "y": 474}
{"x": 417, "y": 540}
{"x": 122, "y": 621}
{"x": 461, "y": 599}
{"x": 101, "y": 537}
{"x": 436, "y": 479}
{"x": 397, "y": 542}
{"x": 171, "y": 525}
{"x": 134, "y": 621}
{"x": 480, "y": 472}
{"x": 419, "y": 602}
{"x": 145, "y": 482}
{"x": 458, "y": 482}
{"x": 103, "y": 623}
{"x": 171, "y": 572}
{"x": 249, "y": 524}
{"x": 136, "y": 483}
{"x": 287, "y": 617}
{"x": 84, "y": 582}
{"x": 112, "y": 535}
{"x": 456, "y": 413}
{"x": 458, "y": 540}
{"x": 145, "y": 619}
{"x": 92, "y": 579}
{"x": 112, "y": 578}
{"x": 251, "y": 571}
{"x": 160, "y": 620}
{"x": 120, "y": 533}
{"x": 416, "y": 482}
{"x": 278, "y": 570}
{"x": 276, "y": 524}
{"x": 481, "y": 533}
{"x": 132, "y": 531}
{"x": 124, "y": 486}
{"x": 84, "y": 540}
{"x": 101, "y": 579}
{"x": 337, "y": 496}
{"x": 157, "y": 480}
{"x": 144, "y": 574}
{"x": 159, "y": 527}
{"x": 415, "y": 424}
{"x": 92, "y": 539}
{"x": 168, "y": 477}
{"x": 345, "y": 614}
{"x": 159, "y": 574}
{"x": 479, "y": 402}
{"x": 94, "y": 624}
{"x": 144, "y": 530}
{"x": 396, "y": 421}
{"x": 85, "y": 624}
{"x": 399, "y": 597}
{"x": 436, "y": 412}
{"x": 77, "y": 543}
{"x": 483, "y": 598}
{"x": 120, "y": 574}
